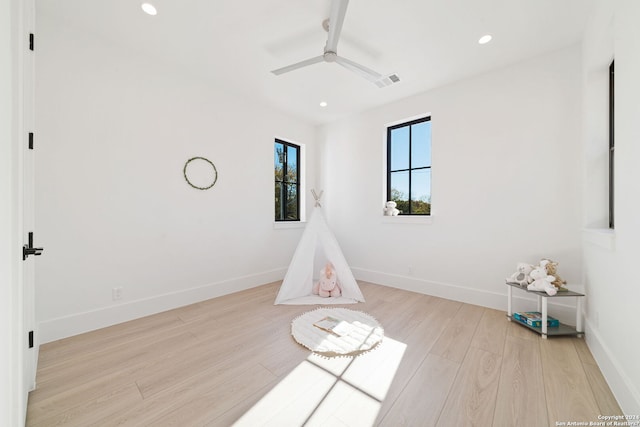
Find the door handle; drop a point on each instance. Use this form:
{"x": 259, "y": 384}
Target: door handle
{"x": 29, "y": 249}
{"x": 26, "y": 251}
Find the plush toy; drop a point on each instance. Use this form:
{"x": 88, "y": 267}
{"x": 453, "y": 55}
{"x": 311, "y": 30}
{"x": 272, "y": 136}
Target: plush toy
{"x": 390, "y": 209}
{"x": 328, "y": 285}
{"x": 522, "y": 275}
{"x": 541, "y": 280}
{"x": 552, "y": 269}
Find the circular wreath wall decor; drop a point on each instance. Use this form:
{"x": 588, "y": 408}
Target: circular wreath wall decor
{"x": 201, "y": 174}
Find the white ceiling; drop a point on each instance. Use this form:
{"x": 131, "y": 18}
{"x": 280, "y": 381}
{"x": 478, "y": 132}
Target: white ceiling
{"x": 428, "y": 43}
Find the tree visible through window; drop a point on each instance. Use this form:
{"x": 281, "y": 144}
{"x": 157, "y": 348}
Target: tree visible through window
{"x": 287, "y": 181}
{"x": 409, "y": 166}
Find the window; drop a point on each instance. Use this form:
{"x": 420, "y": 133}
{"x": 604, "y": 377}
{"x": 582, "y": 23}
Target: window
{"x": 287, "y": 181}
{"x": 409, "y": 166}
{"x": 611, "y": 144}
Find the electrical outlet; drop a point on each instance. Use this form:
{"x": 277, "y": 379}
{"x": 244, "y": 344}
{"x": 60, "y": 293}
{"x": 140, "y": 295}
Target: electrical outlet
{"x": 116, "y": 293}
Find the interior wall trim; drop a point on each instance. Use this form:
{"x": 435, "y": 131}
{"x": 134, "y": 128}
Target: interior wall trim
{"x": 119, "y": 312}
{"x": 627, "y": 394}
{"x": 561, "y": 308}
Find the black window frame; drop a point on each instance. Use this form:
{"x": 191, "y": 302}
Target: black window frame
{"x": 284, "y": 182}
{"x": 612, "y": 147}
{"x": 410, "y": 168}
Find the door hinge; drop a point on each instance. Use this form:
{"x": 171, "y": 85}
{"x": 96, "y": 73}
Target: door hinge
{"x": 31, "y": 41}
{"x": 30, "y": 140}
{"x": 30, "y": 339}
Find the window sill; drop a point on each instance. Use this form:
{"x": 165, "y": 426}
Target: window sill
{"x": 407, "y": 219}
{"x": 283, "y": 225}
{"x": 604, "y": 238}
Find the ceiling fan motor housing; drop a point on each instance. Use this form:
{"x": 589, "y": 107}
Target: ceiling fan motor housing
{"x": 330, "y": 56}
{"x": 333, "y": 25}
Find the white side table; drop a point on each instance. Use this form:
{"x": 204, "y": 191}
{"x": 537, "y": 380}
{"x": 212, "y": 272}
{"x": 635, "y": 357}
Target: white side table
{"x": 543, "y": 298}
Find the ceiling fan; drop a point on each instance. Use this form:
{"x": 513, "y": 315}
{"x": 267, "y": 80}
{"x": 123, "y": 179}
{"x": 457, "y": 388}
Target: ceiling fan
{"x": 334, "y": 26}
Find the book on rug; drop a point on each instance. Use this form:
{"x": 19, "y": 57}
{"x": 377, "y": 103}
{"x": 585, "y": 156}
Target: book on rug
{"x": 333, "y": 325}
{"x": 534, "y": 318}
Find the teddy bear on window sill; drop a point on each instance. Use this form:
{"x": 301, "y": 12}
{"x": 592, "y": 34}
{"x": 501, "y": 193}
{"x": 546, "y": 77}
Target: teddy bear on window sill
{"x": 390, "y": 209}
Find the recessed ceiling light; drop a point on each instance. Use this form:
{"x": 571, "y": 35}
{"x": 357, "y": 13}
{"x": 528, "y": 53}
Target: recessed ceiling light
{"x": 149, "y": 9}
{"x": 485, "y": 39}
{"x": 323, "y": 104}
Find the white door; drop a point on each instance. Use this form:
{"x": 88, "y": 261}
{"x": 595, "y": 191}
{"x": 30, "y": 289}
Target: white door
{"x": 30, "y": 347}
{"x": 17, "y": 294}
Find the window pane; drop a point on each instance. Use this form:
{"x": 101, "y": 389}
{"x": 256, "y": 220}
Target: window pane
{"x": 400, "y": 190}
{"x": 278, "y": 159}
{"x": 292, "y": 201}
{"x": 421, "y": 191}
{"x": 292, "y": 164}
{"x": 421, "y": 145}
{"x": 279, "y": 207}
{"x": 287, "y": 177}
{"x": 399, "y": 148}
{"x": 409, "y": 160}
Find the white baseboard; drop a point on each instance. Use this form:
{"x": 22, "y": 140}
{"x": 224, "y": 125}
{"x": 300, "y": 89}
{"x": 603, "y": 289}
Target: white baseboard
{"x": 627, "y": 394}
{"x": 443, "y": 290}
{"x": 492, "y": 299}
{"x": 79, "y": 323}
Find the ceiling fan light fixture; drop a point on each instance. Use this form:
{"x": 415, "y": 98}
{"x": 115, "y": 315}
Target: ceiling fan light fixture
{"x": 149, "y": 9}
{"x": 485, "y": 39}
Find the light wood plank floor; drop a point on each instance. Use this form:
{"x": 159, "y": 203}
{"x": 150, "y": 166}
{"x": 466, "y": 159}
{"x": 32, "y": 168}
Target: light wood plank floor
{"x": 231, "y": 360}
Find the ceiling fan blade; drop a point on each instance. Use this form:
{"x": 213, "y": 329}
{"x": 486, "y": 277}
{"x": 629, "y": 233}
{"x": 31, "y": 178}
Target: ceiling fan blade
{"x": 363, "y": 71}
{"x": 298, "y": 65}
{"x": 374, "y": 77}
{"x": 336, "y": 19}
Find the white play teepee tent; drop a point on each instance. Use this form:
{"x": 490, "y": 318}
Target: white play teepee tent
{"x": 317, "y": 246}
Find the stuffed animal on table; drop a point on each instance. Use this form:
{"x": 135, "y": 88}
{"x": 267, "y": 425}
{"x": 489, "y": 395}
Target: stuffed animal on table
{"x": 390, "y": 209}
{"x": 522, "y": 275}
{"x": 542, "y": 281}
{"x": 552, "y": 269}
{"x": 327, "y": 285}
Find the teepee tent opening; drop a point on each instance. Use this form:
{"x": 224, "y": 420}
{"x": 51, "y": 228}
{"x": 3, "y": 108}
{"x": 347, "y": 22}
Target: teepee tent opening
{"x": 317, "y": 246}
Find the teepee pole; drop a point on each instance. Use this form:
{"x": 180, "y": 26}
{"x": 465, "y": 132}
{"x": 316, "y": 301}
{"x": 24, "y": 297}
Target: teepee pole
{"x": 317, "y": 197}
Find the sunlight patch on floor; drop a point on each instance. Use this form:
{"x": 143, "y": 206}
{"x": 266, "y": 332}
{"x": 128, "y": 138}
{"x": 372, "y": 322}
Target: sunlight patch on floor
{"x": 336, "y": 391}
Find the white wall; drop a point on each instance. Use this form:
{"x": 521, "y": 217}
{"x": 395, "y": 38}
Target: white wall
{"x": 516, "y": 156}
{"x": 114, "y": 130}
{"x": 506, "y": 184}
{"x": 610, "y": 257}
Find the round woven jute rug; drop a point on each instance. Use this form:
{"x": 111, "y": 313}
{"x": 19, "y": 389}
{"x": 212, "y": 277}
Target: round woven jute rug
{"x": 337, "y": 331}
